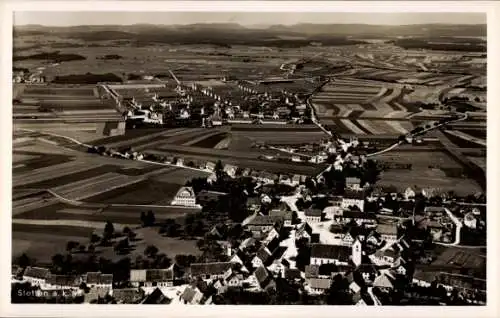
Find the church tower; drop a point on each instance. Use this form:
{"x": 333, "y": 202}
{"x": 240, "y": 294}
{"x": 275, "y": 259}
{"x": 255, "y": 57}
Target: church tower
{"x": 357, "y": 253}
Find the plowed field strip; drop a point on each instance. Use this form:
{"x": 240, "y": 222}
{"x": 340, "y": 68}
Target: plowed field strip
{"x": 62, "y": 190}
{"x": 353, "y": 128}
{"x": 48, "y": 173}
{"x": 363, "y": 128}
{"x": 145, "y": 139}
{"x": 72, "y": 177}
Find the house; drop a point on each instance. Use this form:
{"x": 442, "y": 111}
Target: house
{"x": 156, "y": 298}
{"x": 212, "y": 178}
{"x": 262, "y": 279}
{"x": 271, "y": 235}
{"x": 298, "y": 179}
{"x": 388, "y": 232}
{"x": 248, "y": 242}
{"x": 210, "y": 166}
{"x": 262, "y": 258}
{"x": 313, "y": 215}
{"x": 235, "y": 280}
{"x": 258, "y": 224}
{"x": 333, "y": 212}
{"x": 95, "y": 294}
{"x": 238, "y": 258}
{"x": 360, "y": 218}
{"x": 17, "y": 272}
{"x": 436, "y": 230}
{"x": 311, "y": 271}
{"x": 210, "y": 270}
{"x": 185, "y": 197}
{"x": 246, "y": 172}
{"x": 128, "y": 295}
{"x": 214, "y": 233}
{"x": 36, "y": 276}
{"x": 191, "y": 296}
{"x": 284, "y": 178}
{"x": 286, "y": 216}
{"x": 152, "y": 277}
{"x": 293, "y": 275}
{"x": 400, "y": 268}
{"x": 98, "y": 280}
{"x": 319, "y": 285}
{"x": 326, "y": 254}
{"x": 253, "y": 204}
{"x": 265, "y": 199}
{"x": 267, "y": 177}
{"x": 353, "y": 198}
{"x": 409, "y": 193}
{"x": 61, "y": 282}
{"x": 303, "y": 231}
{"x": 384, "y": 282}
{"x": 388, "y": 256}
{"x": 230, "y": 170}
{"x": 203, "y": 197}
{"x": 353, "y": 183}
{"x": 470, "y": 220}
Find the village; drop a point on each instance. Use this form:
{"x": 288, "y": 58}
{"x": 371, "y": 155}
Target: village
{"x": 306, "y": 164}
{"x": 330, "y": 239}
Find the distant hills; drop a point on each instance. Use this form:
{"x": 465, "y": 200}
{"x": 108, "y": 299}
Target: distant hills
{"x": 297, "y": 29}
{"x": 225, "y": 34}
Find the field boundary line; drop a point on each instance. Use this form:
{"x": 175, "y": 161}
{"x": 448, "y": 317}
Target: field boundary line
{"x": 108, "y": 205}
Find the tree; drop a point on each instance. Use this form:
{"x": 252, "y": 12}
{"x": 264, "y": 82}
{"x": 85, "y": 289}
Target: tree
{"x": 184, "y": 260}
{"x": 151, "y": 251}
{"x": 131, "y": 235}
{"x": 109, "y": 229}
{"x": 143, "y": 218}
{"x": 94, "y": 238}
{"x": 121, "y": 270}
{"x": 219, "y": 170}
{"x": 150, "y": 218}
{"x": 338, "y": 293}
{"x": 122, "y": 246}
{"x": 57, "y": 262}
{"x": 71, "y": 245}
{"x": 162, "y": 261}
{"x": 91, "y": 248}
{"x": 24, "y": 261}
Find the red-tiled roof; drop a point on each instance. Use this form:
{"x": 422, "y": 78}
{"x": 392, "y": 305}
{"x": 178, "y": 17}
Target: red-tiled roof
{"x": 215, "y": 268}
{"x": 337, "y": 252}
{"x": 36, "y": 272}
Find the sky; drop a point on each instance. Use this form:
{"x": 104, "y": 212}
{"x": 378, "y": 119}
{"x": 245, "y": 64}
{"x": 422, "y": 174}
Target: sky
{"x": 244, "y": 18}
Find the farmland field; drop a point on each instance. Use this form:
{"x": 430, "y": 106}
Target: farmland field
{"x": 143, "y": 192}
{"x": 428, "y": 170}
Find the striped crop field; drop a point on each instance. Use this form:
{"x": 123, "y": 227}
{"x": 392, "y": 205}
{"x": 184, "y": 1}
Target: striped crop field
{"x": 369, "y": 126}
{"x": 410, "y": 77}
{"x": 354, "y": 98}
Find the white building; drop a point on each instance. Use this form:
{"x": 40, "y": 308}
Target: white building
{"x": 353, "y": 184}
{"x": 98, "y": 280}
{"x": 313, "y": 215}
{"x": 36, "y": 276}
{"x": 353, "y": 199}
{"x": 330, "y": 254}
{"x": 356, "y": 253}
{"x": 409, "y": 193}
{"x": 185, "y": 197}
{"x": 470, "y": 220}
